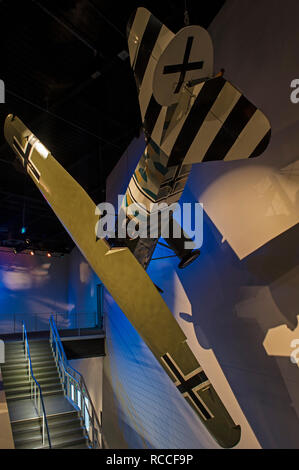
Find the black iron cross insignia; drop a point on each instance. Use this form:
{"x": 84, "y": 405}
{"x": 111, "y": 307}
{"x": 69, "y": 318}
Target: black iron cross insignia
{"x": 184, "y": 67}
{"x": 25, "y": 154}
{"x": 187, "y": 386}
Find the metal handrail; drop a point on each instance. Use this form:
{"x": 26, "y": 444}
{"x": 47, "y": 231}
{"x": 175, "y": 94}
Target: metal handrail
{"x": 75, "y": 388}
{"x": 39, "y": 321}
{"x": 34, "y": 385}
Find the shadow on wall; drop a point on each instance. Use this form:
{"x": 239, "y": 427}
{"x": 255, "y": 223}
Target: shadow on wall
{"x": 118, "y": 430}
{"x": 234, "y": 304}
{"x": 141, "y": 407}
{"x": 267, "y": 203}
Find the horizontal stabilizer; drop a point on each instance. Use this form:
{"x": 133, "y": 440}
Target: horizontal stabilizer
{"x": 221, "y": 124}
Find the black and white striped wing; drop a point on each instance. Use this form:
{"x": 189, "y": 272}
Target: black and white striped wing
{"x": 217, "y": 123}
{"x": 147, "y": 39}
{"x": 221, "y": 124}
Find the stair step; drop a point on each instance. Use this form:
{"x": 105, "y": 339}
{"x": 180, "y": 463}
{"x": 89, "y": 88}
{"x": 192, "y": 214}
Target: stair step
{"x": 47, "y": 374}
{"x": 59, "y": 438}
{"x": 14, "y": 377}
{"x": 13, "y": 344}
{"x": 64, "y": 443}
{"x": 66, "y": 429}
{"x": 20, "y": 345}
{"x": 22, "y": 363}
{"x": 34, "y": 431}
{"x": 8, "y": 384}
{"x": 16, "y": 383}
{"x": 19, "y": 387}
{"x": 16, "y": 390}
{"x": 51, "y": 418}
{"x": 17, "y": 356}
{"x": 23, "y": 396}
{"x": 11, "y": 352}
{"x": 36, "y": 434}
{"x": 84, "y": 445}
{"x": 34, "y": 425}
{"x": 21, "y": 371}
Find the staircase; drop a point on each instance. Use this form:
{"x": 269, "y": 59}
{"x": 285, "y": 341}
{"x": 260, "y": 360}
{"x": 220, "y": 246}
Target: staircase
{"x": 15, "y": 370}
{"x": 66, "y": 432}
{"x": 66, "y": 429}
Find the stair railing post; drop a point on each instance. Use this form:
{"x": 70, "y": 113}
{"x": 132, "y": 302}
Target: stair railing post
{"x": 43, "y": 429}
{"x": 93, "y": 430}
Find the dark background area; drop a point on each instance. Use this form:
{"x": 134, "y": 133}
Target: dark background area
{"x": 68, "y": 77}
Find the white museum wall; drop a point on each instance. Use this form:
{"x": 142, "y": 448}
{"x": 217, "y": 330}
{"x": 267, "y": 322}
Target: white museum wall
{"x": 91, "y": 368}
{"x": 256, "y": 43}
{"x": 82, "y": 290}
{"x": 31, "y": 288}
{"x": 141, "y": 406}
{"x": 34, "y": 287}
{"x": 238, "y": 303}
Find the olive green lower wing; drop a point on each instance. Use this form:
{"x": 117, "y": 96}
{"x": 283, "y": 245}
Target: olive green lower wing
{"x": 125, "y": 279}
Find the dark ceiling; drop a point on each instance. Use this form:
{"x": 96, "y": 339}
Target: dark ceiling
{"x": 65, "y": 79}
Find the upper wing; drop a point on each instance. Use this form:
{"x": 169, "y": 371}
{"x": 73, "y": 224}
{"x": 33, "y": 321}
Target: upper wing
{"x": 125, "y": 279}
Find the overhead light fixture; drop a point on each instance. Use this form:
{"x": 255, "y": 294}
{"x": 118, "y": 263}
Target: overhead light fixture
{"x": 123, "y": 55}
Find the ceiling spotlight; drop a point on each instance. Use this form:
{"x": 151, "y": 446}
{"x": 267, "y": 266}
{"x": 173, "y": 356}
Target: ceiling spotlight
{"x": 32, "y": 253}
{"x": 123, "y": 55}
{"x": 49, "y": 255}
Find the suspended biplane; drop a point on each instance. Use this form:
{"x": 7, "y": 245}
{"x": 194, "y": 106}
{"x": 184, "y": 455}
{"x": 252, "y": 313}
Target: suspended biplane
{"x": 189, "y": 116}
